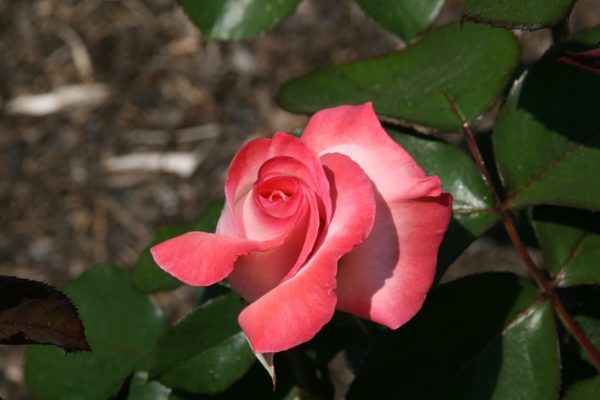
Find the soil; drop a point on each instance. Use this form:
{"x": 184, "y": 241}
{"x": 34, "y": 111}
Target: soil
{"x": 145, "y": 83}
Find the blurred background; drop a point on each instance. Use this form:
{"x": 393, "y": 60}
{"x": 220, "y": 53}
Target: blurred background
{"x": 116, "y": 118}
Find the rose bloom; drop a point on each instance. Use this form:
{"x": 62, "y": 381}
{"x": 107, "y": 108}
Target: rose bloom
{"x": 341, "y": 217}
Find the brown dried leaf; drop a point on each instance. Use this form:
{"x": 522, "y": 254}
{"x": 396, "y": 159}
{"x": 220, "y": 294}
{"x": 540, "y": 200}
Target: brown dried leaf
{"x": 33, "y": 312}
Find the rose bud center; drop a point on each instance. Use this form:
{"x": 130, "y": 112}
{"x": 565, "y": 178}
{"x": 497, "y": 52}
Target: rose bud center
{"x": 276, "y": 196}
{"x": 277, "y": 188}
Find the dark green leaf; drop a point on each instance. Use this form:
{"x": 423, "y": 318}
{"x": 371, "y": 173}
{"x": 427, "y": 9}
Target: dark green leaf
{"x": 140, "y": 389}
{"x": 33, "y": 312}
{"x": 236, "y": 19}
{"x": 472, "y": 204}
{"x": 547, "y": 138}
{"x": 527, "y": 360}
{"x": 256, "y": 384}
{"x": 205, "y": 352}
{"x": 122, "y": 326}
{"x": 214, "y": 369}
{"x": 468, "y": 62}
{"x": 574, "y": 366}
{"x": 487, "y": 336}
{"x": 148, "y": 277}
{"x": 570, "y": 241}
{"x": 406, "y": 18}
{"x": 524, "y": 14}
{"x": 585, "y": 390}
{"x": 583, "y": 303}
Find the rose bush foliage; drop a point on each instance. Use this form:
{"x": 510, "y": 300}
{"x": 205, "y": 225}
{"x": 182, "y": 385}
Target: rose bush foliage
{"x": 341, "y": 217}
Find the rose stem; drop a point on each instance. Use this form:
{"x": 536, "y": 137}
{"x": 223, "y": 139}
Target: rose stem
{"x": 509, "y": 225}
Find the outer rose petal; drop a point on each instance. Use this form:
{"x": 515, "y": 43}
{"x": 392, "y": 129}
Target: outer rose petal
{"x": 200, "y": 258}
{"x": 386, "y": 278}
{"x": 294, "y": 311}
{"x": 356, "y": 132}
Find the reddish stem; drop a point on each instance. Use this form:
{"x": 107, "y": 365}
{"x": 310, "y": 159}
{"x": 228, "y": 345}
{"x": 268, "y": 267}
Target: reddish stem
{"x": 537, "y": 274}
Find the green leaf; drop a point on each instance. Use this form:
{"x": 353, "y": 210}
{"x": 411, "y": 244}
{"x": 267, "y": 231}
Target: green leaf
{"x": 522, "y": 350}
{"x": 406, "y": 18}
{"x": 575, "y": 365}
{"x": 205, "y": 352}
{"x": 256, "y": 384}
{"x": 121, "y": 326}
{"x": 585, "y": 390}
{"x": 468, "y": 62}
{"x": 472, "y": 206}
{"x": 215, "y": 368}
{"x": 583, "y": 303}
{"x": 523, "y": 14}
{"x": 141, "y": 389}
{"x": 547, "y": 137}
{"x": 236, "y": 19}
{"x": 487, "y": 336}
{"x": 148, "y": 277}
{"x": 570, "y": 241}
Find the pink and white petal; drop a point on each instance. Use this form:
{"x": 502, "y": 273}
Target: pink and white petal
{"x": 386, "y": 278}
{"x": 200, "y": 258}
{"x": 278, "y": 197}
{"x": 312, "y": 232}
{"x": 255, "y": 224}
{"x": 293, "y": 167}
{"x": 245, "y": 166}
{"x": 255, "y": 221}
{"x": 286, "y": 145}
{"x": 356, "y": 132}
{"x": 294, "y": 311}
{"x": 259, "y": 272}
{"x": 227, "y": 225}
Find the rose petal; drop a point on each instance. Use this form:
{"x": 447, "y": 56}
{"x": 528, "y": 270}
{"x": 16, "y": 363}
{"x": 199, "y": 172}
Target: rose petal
{"x": 278, "y": 196}
{"x": 200, "y": 258}
{"x": 297, "y": 218}
{"x": 244, "y": 169}
{"x": 356, "y": 132}
{"x": 259, "y": 272}
{"x": 254, "y": 221}
{"x": 386, "y": 278}
{"x": 294, "y": 311}
{"x": 258, "y": 225}
{"x": 293, "y": 167}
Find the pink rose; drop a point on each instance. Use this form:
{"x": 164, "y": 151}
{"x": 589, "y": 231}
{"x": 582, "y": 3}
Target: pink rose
{"x": 341, "y": 218}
